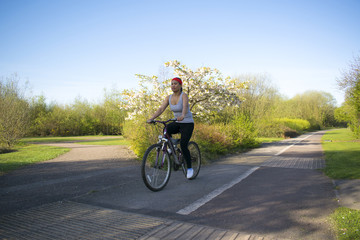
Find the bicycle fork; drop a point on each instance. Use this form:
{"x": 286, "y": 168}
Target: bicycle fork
{"x": 157, "y": 166}
{"x": 160, "y": 164}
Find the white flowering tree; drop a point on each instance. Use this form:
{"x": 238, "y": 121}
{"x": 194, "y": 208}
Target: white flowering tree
{"x": 208, "y": 91}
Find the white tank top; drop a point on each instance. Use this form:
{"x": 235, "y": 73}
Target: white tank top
{"x": 177, "y": 110}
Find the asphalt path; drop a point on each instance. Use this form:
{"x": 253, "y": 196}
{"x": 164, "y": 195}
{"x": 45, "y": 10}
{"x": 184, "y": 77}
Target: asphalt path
{"x": 275, "y": 190}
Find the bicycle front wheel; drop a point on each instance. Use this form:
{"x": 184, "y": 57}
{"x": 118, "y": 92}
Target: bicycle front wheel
{"x": 156, "y": 168}
{"x": 195, "y": 158}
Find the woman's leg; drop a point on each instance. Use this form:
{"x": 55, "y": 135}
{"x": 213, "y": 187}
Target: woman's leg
{"x": 186, "y": 130}
{"x": 173, "y": 128}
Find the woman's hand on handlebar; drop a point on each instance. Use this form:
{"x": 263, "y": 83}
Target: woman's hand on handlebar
{"x": 164, "y": 122}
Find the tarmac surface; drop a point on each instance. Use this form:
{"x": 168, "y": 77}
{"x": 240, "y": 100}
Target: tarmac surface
{"x": 57, "y": 200}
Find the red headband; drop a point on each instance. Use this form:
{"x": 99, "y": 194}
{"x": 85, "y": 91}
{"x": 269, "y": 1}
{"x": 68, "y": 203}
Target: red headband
{"x": 178, "y": 80}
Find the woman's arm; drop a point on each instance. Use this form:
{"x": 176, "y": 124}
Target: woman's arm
{"x": 161, "y": 109}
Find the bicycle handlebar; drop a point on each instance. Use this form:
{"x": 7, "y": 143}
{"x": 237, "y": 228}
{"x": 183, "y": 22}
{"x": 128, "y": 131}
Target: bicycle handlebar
{"x": 164, "y": 122}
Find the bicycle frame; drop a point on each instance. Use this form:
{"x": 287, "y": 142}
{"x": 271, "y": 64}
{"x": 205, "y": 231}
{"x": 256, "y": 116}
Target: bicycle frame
{"x": 166, "y": 140}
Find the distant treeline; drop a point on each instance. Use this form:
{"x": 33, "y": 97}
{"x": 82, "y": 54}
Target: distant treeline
{"x": 77, "y": 119}
{"x": 263, "y": 112}
{"x": 21, "y": 115}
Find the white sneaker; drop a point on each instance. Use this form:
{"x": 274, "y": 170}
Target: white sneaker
{"x": 190, "y": 173}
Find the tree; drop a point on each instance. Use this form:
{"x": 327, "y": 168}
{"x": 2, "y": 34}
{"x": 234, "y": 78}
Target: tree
{"x": 14, "y": 111}
{"x": 110, "y": 117}
{"x": 38, "y": 109}
{"x": 315, "y": 106}
{"x": 260, "y": 102}
{"x": 350, "y": 84}
{"x": 209, "y": 92}
{"x": 345, "y": 113}
{"x": 260, "y": 96}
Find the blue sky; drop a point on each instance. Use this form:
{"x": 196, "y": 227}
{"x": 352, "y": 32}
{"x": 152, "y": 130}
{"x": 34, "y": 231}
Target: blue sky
{"x": 67, "y": 49}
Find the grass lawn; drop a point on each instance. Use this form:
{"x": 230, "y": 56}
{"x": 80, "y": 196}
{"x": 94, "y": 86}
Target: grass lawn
{"x": 27, "y": 154}
{"x": 347, "y": 222}
{"x": 269, "y": 140}
{"x": 342, "y": 153}
{"x": 110, "y": 141}
{"x": 92, "y": 140}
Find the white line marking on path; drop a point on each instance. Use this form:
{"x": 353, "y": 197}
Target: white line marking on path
{"x": 200, "y": 202}
{"x": 300, "y": 140}
{"x": 192, "y": 207}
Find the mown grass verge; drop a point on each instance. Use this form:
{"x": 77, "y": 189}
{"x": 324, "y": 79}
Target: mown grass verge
{"x": 269, "y": 139}
{"x": 111, "y": 141}
{"x": 24, "y": 155}
{"x": 347, "y": 222}
{"x": 342, "y": 151}
{"x": 91, "y": 140}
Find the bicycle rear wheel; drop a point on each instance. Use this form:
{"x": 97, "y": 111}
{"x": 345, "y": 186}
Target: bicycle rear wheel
{"x": 156, "y": 168}
{"x": 195, "y": 158}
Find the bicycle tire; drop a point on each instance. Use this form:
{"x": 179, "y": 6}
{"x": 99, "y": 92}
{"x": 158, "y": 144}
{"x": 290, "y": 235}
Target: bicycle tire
{"x": 195, "y": 158}
{"x": 154, "y": 174}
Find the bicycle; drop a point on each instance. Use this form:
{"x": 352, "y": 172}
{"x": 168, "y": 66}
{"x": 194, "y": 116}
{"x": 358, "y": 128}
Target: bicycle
{"x": 160, "y": 158}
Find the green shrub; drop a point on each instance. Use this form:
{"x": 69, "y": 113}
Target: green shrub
{"x": 213, "y": 139}
{"x": 282, "y": 127}
{"x": 267, "y": 128}
{"x": 218, "y": 139}
{"x": 355, "y": 128}
{"x": 141, "y": 134}
{"x": 242, "y": 131}
{"x": 298, "y": 125}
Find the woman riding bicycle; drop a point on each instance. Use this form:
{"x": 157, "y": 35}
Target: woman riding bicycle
{"x": 179, "y": 104}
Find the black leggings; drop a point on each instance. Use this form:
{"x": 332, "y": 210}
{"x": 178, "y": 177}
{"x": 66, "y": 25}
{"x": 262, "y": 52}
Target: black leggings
{"x": 186, "y": 130}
